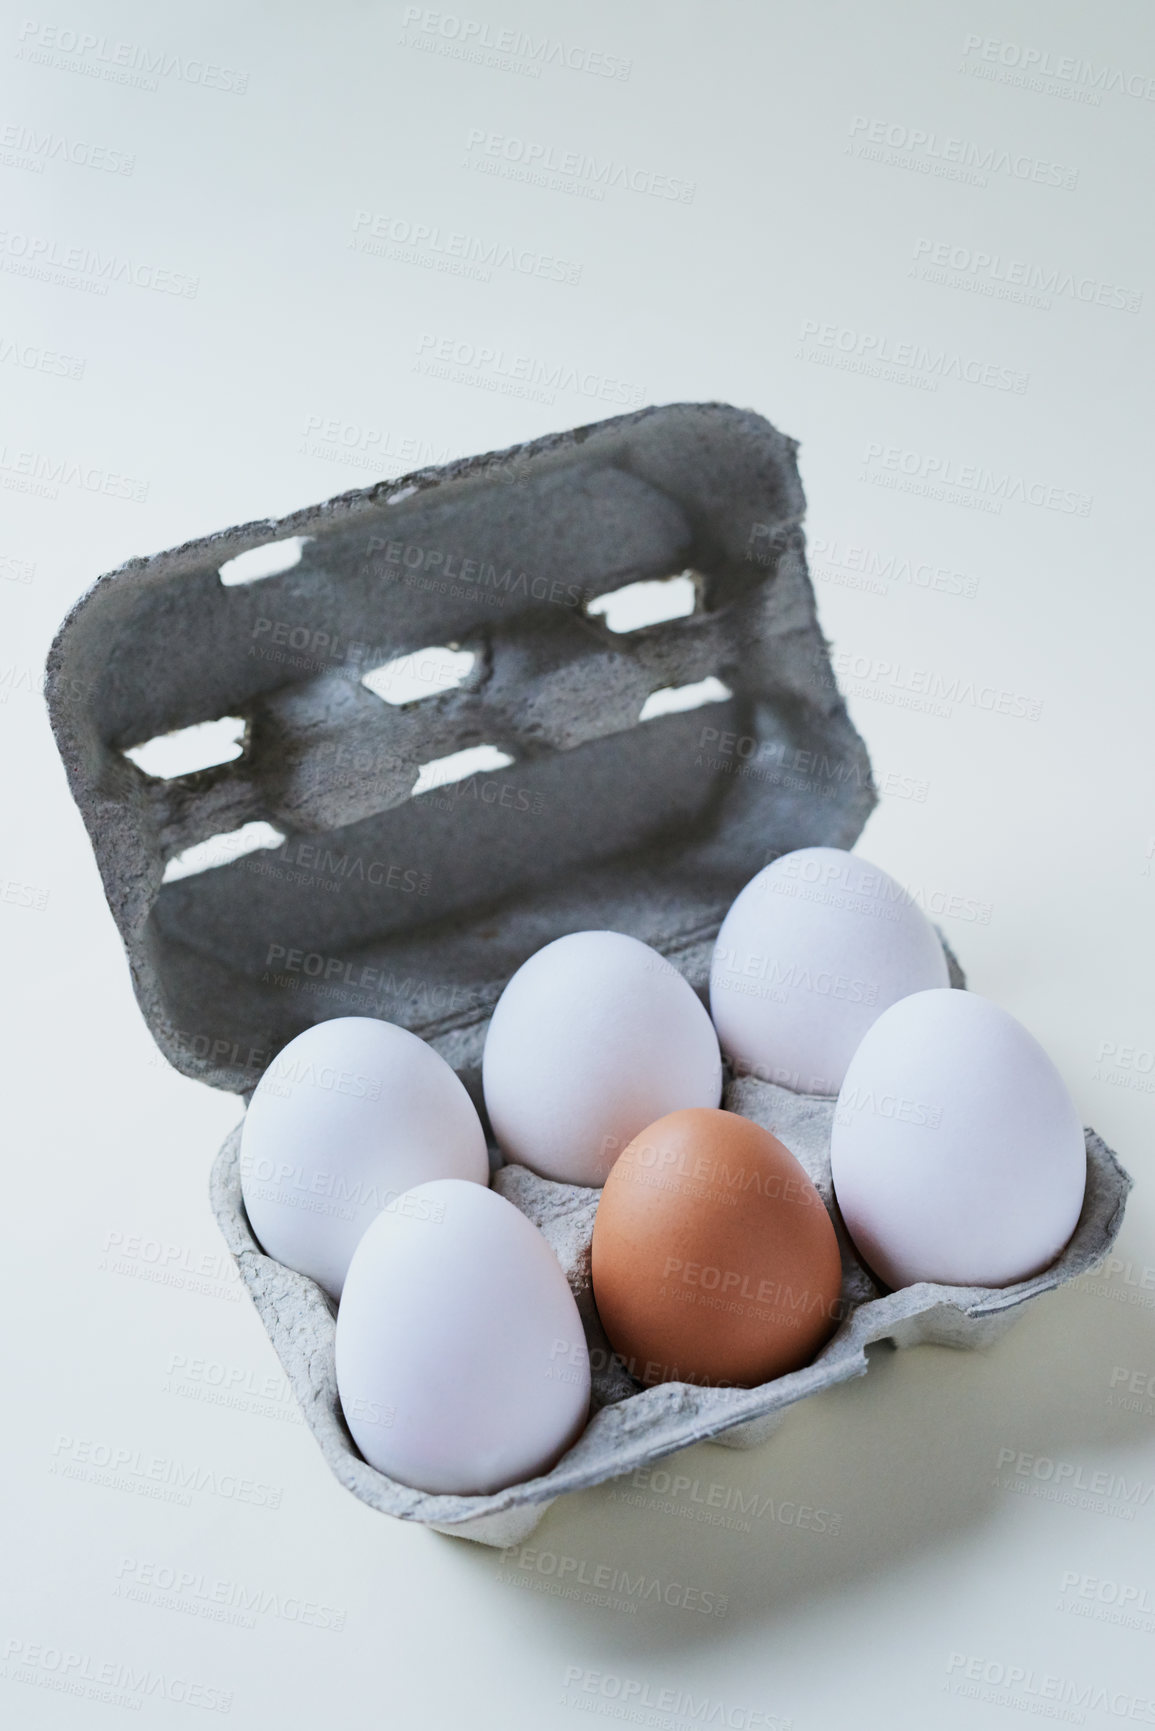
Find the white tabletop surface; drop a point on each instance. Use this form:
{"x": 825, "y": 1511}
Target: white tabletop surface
{"x": 917, "y": 239}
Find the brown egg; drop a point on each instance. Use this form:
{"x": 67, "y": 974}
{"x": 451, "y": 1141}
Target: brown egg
{"x": 714, "y": 1260}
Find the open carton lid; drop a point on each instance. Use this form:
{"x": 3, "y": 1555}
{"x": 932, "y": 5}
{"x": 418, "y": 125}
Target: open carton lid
{"x": 329, "y": 869}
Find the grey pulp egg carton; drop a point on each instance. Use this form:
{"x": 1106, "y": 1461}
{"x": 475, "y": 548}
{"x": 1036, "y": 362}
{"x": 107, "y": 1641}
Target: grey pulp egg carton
{"x": 371, "y": 898}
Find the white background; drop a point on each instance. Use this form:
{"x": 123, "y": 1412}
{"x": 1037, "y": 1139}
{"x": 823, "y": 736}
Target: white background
{"x": 1032, "y": 839}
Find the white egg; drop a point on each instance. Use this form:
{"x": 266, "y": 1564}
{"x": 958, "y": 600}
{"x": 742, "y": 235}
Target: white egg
{"x": 347, "y": 1116}
{"x": 812, "y": 951}
{"x": 594, "y": 1037}
{"x": 956, "y": 1152}
{"x": 462, "y": 1365}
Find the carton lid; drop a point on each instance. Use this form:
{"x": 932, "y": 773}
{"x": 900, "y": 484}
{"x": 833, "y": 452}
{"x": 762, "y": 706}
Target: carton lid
{"x": 631, "y": 779}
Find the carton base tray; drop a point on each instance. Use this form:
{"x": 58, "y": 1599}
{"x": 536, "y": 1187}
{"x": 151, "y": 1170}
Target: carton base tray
{"x": 631, "y": 1427}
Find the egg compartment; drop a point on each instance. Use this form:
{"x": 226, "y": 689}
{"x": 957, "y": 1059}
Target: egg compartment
{"x": 369, "y": 897}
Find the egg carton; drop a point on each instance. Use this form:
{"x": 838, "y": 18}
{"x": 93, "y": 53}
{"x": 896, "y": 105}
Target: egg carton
{"x": 376, "y": 899}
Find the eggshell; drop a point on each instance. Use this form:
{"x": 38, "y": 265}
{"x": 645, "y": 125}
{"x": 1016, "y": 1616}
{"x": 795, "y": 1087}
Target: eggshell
{"x": 713, "y": 1260}
{"x": 348, "y": 1115}
{"x": 461, "y": 1361}
{"x": 811, "y": 953}
{"x": 593, "y": 1038}
{"x": 957, "y": 1154}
